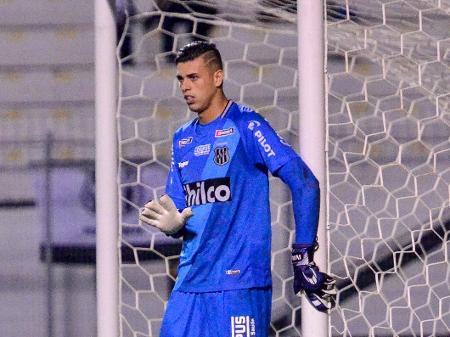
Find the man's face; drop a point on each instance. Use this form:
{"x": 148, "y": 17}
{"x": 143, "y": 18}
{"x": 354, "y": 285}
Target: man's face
{"x": 198, "y": 83}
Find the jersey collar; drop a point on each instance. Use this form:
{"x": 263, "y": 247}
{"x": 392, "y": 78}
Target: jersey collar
{"x": 227, "y": 108}
{"x": 222, "y": 115}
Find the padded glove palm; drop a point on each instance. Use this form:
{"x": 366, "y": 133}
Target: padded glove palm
{"x": 164, "y": 215}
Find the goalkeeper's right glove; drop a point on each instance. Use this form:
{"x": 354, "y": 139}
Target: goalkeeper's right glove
{"x": 318, "y": 287}
{"x": 164, "y": 215}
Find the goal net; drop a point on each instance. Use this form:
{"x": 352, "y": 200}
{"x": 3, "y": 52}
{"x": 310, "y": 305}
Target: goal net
{"x": 388, "y": 151}
{"x": 389, "y": 156}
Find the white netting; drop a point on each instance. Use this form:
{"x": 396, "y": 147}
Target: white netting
{"x": 388, "y": 104}
{"x": 389, "y": 156}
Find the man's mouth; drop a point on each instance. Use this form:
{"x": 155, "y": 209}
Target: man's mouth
{"x": 189, "y": 99}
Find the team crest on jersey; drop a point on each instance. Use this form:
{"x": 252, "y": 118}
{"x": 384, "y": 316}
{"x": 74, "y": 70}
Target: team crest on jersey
{"x": 221, "y": 155}
{"x": 224, "y": 132}
{"x": 184, "y": 141}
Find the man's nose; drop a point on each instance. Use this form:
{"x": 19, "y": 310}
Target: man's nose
{"x": 185, "y": 86}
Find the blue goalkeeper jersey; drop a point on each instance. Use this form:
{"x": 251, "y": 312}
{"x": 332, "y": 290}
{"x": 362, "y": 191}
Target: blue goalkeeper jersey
{"x": 220, "y": 169}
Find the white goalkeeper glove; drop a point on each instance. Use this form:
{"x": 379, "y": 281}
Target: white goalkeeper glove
{"x": 164, "y": 215}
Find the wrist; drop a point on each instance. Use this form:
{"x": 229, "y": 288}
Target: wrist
{"x": 301, "y": 245}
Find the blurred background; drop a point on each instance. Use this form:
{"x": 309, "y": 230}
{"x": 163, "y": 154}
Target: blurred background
{"x": 46, "y": 155}
{"x": 388, "y": 119}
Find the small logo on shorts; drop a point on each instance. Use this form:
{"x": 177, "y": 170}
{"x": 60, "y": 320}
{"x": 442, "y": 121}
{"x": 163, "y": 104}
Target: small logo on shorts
{"x": 232, "y": 272}
{"x": 243, "y": 326}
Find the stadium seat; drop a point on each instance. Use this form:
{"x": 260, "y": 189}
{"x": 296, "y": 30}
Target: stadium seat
{"x": 39, "y": 12}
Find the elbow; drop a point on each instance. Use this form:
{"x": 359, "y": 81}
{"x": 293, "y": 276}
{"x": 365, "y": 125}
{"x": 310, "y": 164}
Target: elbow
{"x": 296, "y": 174}
{"x": 312, "y": 182}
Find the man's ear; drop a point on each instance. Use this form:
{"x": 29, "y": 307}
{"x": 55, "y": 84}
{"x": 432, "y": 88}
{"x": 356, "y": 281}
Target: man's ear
{"x": 218, "y": 78}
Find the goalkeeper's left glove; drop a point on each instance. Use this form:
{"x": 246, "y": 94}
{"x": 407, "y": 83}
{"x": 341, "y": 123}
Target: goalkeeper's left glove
{"x": 318, "y": 287}
{"x": 164, "y": 215}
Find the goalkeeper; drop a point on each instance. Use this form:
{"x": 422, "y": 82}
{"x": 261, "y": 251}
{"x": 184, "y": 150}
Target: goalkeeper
{"x": 217, "y": 200}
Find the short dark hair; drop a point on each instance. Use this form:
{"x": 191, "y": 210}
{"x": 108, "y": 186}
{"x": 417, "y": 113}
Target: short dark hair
{"x": 196, "y": 49}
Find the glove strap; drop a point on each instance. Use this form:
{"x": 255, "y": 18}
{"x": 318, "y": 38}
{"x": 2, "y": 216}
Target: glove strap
{"x": 302, "y": 254}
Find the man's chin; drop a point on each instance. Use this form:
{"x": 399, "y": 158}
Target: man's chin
{"x": 195, "y": 108}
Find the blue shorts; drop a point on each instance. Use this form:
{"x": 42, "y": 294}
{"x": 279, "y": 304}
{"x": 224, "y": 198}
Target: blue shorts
{"x": 231, "y": 313}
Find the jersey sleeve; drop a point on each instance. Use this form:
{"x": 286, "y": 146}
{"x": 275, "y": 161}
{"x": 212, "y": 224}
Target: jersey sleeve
{"x": 305, "y": 192}
{"x": 264, "y": 146}
{"x": 174, "y": 187}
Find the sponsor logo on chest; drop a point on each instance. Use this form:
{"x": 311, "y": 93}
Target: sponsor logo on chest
{"x": 224, "y": 132}
{"x": 202, "y": 150}
{"x": 184, "y": 142}
{"x": 208, "y": 191}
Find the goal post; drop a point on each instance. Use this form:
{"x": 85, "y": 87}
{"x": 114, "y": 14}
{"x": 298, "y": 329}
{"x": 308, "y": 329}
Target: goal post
{"x": 106, "y": 159}
{"x": 312, "y": 134}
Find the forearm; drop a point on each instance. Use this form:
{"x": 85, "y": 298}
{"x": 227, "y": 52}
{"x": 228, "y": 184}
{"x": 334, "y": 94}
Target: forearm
{"x": 305, "y": 199}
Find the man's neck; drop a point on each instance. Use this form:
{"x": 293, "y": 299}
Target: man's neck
{"x": 214, "y": 110}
